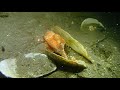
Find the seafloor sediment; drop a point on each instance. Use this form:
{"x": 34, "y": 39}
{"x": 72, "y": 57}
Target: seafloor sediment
{"x": 18, "y": 31}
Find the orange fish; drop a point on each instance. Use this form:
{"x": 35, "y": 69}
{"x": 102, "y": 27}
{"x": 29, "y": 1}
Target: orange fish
{"x": 55, "y": 43}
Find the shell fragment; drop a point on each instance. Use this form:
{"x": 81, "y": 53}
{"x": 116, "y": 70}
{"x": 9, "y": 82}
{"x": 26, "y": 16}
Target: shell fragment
{"x": 30, "y": 65}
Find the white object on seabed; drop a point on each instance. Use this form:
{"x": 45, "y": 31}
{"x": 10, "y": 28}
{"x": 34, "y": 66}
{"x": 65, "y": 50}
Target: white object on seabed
{"x": 89, "y": 21}
{"x": 31, "y": 65}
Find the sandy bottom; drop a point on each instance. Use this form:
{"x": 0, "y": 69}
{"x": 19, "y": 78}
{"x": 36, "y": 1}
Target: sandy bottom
{"x": 19, "y": 32}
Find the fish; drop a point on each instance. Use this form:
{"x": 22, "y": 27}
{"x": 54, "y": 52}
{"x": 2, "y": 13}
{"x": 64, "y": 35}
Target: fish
{"x": 73, "y": 43}
{"x": 55, "y": 49}
{"x": 55, "y": 43}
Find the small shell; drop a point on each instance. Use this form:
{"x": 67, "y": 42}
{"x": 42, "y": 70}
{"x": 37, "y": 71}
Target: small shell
{"x": 73, "y": 63}
{"x": 92, "y": 24}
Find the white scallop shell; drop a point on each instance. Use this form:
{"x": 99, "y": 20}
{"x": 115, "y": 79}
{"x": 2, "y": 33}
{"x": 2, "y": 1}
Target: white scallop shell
{"x": 30, "y": 65}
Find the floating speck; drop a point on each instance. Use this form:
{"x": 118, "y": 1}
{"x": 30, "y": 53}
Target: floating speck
{"x": 8, "y": 35}
{"x": 38, "y": 40}
{"x": 102, "y": 74}
{"x": 103, "y": 45}
{"x": 115, "y": 48}
{"x": 104, "y": 68}
{"x": 72, "y": 22}
{"x": 40, "y": 25}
